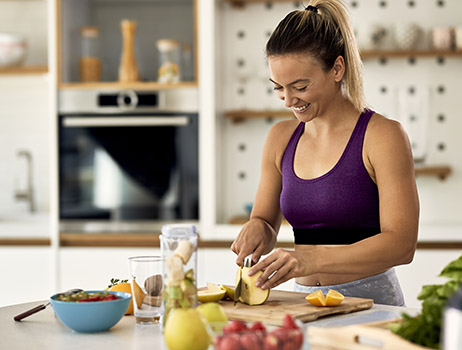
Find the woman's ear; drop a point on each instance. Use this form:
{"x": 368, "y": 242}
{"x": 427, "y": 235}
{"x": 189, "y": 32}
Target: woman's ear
{"x": 338, "y": 69}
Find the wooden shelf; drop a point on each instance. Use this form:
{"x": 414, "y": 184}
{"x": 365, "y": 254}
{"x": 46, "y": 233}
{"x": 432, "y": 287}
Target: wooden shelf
{"x": 242, "y": 114}
{"x": 24, "y": 70}
{"x": 412, "y": 53}
{"x": 242, "y": 3}
{"x": 442, "y": 172}
{"x": 148, "y": 85}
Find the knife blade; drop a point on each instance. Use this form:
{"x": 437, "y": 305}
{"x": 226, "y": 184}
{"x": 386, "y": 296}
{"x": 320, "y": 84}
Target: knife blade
{"x": 237, "y": 290}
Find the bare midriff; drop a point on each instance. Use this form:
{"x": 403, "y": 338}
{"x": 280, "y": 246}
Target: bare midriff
{"x": 323, "y": 279}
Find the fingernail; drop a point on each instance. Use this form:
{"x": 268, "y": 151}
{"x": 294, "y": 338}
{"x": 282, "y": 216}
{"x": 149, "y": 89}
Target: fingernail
{"x": 265, "y": 286}
{"x": 250, "y": 273}
{"x": 258, "y": 283}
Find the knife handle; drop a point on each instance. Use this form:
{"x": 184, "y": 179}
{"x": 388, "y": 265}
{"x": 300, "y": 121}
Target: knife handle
{"x": 30, "y": 312}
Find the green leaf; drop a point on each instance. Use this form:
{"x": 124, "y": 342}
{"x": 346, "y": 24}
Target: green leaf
{"x": 453, "y": 270}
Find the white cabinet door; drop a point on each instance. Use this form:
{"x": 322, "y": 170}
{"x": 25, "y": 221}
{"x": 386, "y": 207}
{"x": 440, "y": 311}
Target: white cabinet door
{"x": 423, "y": 270}
{"x": 27, "y": 274}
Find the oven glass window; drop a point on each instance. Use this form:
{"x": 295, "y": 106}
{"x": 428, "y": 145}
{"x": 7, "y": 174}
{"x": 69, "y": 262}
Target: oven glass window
{"x": 128, "y": 173}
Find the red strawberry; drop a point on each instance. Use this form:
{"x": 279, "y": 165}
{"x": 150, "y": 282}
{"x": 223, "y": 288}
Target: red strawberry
{"x": 250, "y": 341}
{"x": 230, "y": 342}
{"x": 270, "y": 342}
{"x": 289, "y": 322}
{"x": 258, "y": 326}
{"x": 281, "y": 334}
{"x": 297, "y": 335}
{"x": 234, "y": 327}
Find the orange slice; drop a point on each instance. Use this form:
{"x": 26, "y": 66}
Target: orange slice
{"x": 334, "y": 298}
{"x": 316, "y": 298}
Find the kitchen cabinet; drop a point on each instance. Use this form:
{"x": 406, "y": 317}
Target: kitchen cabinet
{"x": 174, "y": 19}
{"x": 27, "y": 274}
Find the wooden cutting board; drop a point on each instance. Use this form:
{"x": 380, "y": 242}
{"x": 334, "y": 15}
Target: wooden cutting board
{"x": 365, "y": 336}
{"x": 282, "y": 302}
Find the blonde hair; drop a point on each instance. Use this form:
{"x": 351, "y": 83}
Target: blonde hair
{"x": 325, "y": 33}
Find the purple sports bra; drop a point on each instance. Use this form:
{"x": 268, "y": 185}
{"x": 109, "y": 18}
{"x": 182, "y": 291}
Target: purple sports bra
{"x": 339, "y": 207}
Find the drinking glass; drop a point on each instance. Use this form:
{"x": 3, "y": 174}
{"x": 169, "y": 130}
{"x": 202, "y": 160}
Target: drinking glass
{"x": 147, "y": 287}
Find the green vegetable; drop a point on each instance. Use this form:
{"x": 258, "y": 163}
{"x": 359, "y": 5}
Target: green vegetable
{"x": 425, "y": 328}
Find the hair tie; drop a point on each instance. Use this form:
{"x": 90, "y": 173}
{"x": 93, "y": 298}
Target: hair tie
{"x": 311, "y": 8}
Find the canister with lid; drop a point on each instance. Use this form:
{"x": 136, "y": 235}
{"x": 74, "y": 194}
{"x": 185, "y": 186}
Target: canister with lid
{"x": 90, "y": 62}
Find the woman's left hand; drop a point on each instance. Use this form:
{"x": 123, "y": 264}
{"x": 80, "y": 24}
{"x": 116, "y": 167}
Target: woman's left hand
{"x": 278, "y": 267}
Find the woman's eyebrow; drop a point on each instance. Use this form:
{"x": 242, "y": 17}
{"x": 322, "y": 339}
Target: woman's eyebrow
{"x": 292, "y": 83}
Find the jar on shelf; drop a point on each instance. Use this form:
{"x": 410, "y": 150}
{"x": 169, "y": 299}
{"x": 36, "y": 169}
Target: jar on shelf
{"x": 89, "y": 63}
{"x": 178, "y": 244}
{"x": 169, "y": 70}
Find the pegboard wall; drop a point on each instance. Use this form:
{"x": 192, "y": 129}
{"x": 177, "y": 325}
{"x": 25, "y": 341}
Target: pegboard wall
{"x": 423, "y": 93}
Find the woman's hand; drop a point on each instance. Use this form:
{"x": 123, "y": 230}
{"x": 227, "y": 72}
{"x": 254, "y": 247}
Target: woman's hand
{"x": 279, "y": 267}
{"x": 257, "y": 237}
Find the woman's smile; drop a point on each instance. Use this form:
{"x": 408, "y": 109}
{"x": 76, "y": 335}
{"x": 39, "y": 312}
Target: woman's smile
{"x": 301, "y": 109}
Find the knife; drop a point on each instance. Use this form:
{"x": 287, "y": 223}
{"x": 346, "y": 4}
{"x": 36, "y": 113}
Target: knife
{"x": 237, "y": 290}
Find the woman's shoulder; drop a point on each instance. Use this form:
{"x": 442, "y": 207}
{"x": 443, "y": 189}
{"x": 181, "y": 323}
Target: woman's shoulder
{"x": 385, "y": 135}
{"x": 282, "y": 131}
{"x": 384, "y": 128}
{"x": 277, "y": 139}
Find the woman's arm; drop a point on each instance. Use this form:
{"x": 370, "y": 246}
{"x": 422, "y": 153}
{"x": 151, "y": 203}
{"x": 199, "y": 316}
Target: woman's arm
{"x": 389, "y": 160}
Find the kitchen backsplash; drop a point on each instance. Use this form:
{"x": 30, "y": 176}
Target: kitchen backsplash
{"x": 421, "y": 92}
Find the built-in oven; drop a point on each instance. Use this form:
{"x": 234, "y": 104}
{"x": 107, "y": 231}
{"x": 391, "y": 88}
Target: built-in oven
{"x": 128, "y": 161}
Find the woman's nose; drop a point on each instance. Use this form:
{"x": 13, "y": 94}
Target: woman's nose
{"x": 288, "y": 99}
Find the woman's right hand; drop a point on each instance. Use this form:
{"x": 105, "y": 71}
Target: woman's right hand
{"x": 257, "y": 237}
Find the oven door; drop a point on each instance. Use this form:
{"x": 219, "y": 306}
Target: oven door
{"x": 127, "y": 172}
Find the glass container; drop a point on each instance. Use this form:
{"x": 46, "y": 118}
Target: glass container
{"x": 179, "y": 252}
{"x": 170, "y": 60}
{"x": 90, "y": 63}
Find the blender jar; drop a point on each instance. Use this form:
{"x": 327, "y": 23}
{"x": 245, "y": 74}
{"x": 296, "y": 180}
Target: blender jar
{"x": 179, "y": 252}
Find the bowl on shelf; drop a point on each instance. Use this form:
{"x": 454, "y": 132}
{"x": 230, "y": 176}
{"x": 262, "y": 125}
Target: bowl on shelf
{"x": 13, "y": 49}
{"x": 94, "y": 316}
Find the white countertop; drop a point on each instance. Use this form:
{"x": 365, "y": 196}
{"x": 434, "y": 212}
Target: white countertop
{"x": 43, "y": 330}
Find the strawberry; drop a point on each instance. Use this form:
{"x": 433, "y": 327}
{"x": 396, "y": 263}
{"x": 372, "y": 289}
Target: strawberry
{"x": 270, "y": 342}
{"x": 229, "y": 342}
{"x": 250, "y": 341}
{"x": 258, "y": 326}
{"x": 289, "y": 322}
{"x": 234, "y": 327}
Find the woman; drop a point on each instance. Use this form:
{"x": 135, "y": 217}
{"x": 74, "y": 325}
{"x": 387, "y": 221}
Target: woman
{"x": 341, "y": 174}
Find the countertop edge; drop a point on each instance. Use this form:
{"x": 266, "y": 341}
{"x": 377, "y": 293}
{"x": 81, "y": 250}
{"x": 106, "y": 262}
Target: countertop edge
{"x": 119, "y": 240}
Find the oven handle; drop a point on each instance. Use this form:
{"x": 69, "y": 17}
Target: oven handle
{"x": 95, "y": 122}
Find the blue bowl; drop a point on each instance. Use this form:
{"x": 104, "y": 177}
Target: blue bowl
{"x": 89, "y": 317}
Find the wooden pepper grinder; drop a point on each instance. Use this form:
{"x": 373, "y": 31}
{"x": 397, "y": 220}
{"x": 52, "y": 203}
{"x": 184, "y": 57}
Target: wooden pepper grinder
{"x": 128, "y": 70}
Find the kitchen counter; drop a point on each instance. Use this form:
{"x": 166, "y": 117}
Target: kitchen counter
{"x": 44, "y": 331}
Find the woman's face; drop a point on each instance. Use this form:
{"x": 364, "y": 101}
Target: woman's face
{"x": 302, "y": 84}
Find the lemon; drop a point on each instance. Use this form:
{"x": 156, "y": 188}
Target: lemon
{"x": 316, "y": 298}
{"x": 127, "y": 288}
{"x": 207, "y": 295}
{"x": 334, "y": 298}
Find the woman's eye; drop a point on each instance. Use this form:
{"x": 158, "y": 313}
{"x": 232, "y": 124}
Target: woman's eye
{"x": 301, "y": 89}
{"x": 277, "y": 88}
